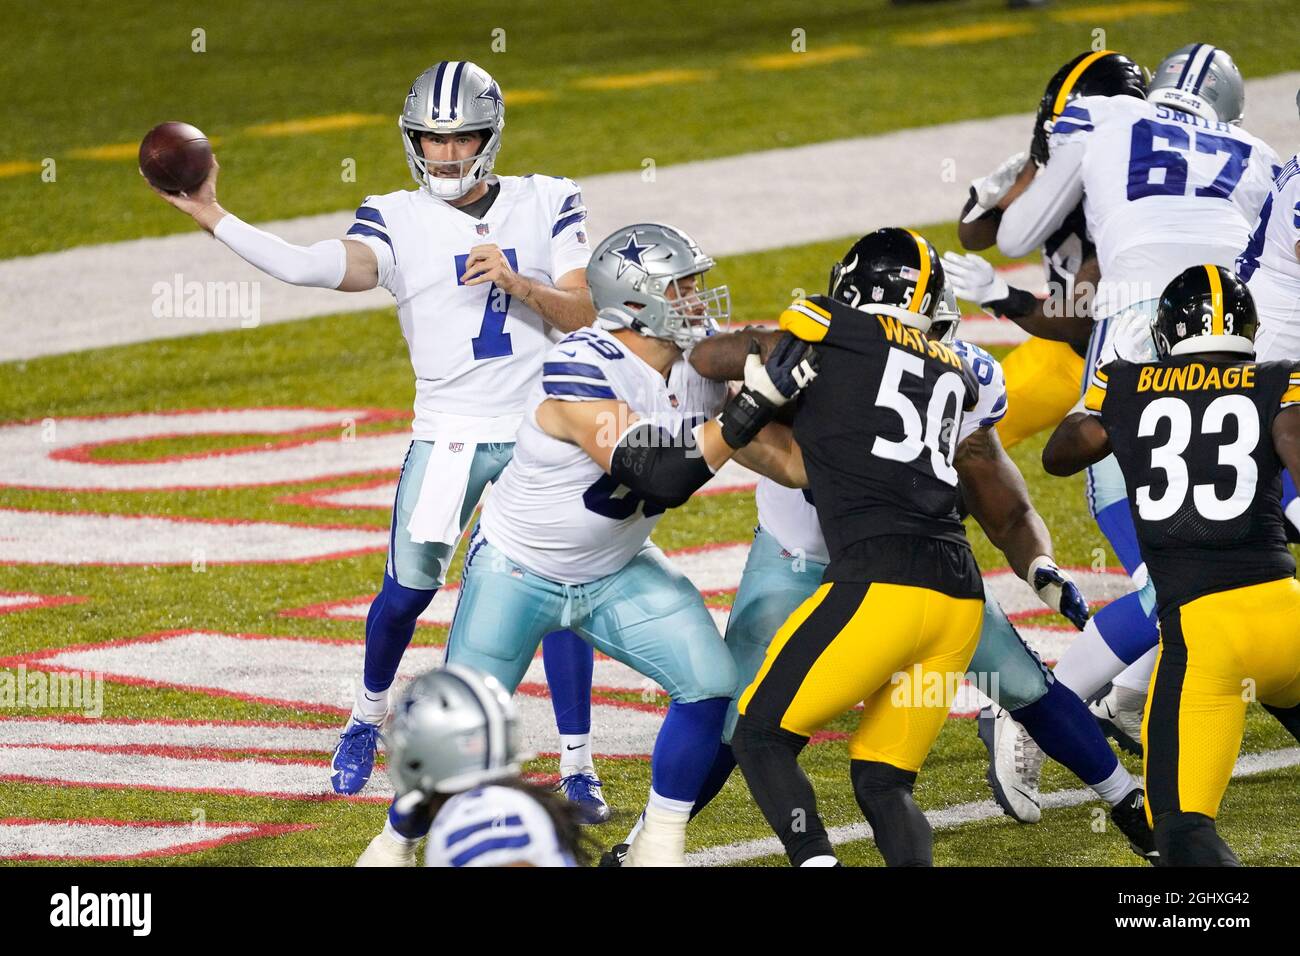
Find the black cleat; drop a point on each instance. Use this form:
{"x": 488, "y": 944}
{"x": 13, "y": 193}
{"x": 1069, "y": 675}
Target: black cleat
{"x": 614, "y": 856}
{"x": 1130, "y": 816}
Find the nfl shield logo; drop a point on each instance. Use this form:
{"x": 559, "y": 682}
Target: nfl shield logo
{"x": 456, "y": 447}
{"x": 482, "y": 228}
{"x": 877, "y": 293}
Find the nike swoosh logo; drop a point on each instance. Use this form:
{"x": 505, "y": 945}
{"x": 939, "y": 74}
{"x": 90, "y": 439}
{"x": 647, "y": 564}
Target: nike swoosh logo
{"x": 570, "y": 354}
{"x": 578, "y": 747}
{"x": 1026, "y": 795}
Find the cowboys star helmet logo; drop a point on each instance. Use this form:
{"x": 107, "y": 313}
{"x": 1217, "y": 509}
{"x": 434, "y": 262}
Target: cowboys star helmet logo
{"x": 631, "y": 254}
{"x": 492, "y": 93}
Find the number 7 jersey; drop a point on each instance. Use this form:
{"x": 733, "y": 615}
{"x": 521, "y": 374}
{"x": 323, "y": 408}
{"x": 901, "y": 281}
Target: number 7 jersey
{"x": 1194, "y": 440}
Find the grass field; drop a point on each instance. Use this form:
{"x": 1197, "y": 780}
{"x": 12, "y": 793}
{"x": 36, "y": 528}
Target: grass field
{"x": 594, "y": 93}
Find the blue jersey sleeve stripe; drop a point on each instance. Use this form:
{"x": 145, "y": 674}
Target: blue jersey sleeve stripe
{"x": 1076, "y": 113}
{"x": 572, "y": 368}
{"x": 573, "y": 202}
{"x": 487, "y": 846}
{"x": 568, "y": 221}
{"x": 457, "y": 835}
{"x": 578, "y": 389}
{"x": 371, "y": 215}
{"x": 361, "y": 229}
{"x": 1067, "y": 128}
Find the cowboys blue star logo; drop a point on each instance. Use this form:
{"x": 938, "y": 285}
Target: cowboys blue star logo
{"x": 631, "y": 254}
{"x": 494, "y": 94}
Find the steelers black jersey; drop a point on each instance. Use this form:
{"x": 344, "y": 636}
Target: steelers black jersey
{"x": 879, "y": 428}
{"x": 1194, "y": 440}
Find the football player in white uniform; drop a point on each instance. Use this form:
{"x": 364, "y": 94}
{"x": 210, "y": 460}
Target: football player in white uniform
{"x": 1270, "y": 266}
{"x": 619, "y": 429}
{"x": 786, "y": 565}
{"x": 1166, "y": 183}
{"x": 482, "y": 268}
{"x": 454, "y": 760}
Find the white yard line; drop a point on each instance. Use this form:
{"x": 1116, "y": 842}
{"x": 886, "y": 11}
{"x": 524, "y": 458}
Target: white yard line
{"x": 963, "y": 813}
{"x": 96, "y": 296}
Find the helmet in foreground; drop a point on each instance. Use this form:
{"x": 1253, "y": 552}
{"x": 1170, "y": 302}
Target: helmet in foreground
{"x": 1205, "y": 309}
{"x": 894, "y": 272}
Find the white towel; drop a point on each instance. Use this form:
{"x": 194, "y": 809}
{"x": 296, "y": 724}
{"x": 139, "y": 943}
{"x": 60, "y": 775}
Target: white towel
{"x": 436, "y": 516}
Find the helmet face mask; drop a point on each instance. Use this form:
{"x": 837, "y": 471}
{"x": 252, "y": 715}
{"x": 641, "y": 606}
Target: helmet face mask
{"x": 1202, "y": 80}
{"x": 1205, "y": 308}
{"x": 638, "y": 277}
{"x": 449, "y": 98}
{"x": 947, "y": 317}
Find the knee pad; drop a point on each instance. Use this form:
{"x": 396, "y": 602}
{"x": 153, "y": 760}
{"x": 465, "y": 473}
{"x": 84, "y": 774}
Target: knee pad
{"x": 900, "y": 829}
{"x": 1189, "y": 839}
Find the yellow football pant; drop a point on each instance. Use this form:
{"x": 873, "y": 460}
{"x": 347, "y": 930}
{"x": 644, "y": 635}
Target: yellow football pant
{"x": 1043, "y": 384}
{"x": 902, "y": 650}
{"x": 1217, "y": 653}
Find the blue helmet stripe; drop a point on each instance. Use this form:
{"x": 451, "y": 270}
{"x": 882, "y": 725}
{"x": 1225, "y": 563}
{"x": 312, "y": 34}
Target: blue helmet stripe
{"x": 455, "y": 87}
{"x": 1187, "y": 65}
{"x": 1200, "y": 78}
{"x": 436, "y": 97}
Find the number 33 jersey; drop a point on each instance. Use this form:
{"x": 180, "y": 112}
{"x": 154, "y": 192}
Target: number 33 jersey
{"x": 554, "y": 510}
{"x": 475, "y": 349}
{"x": 1194, "y": 440}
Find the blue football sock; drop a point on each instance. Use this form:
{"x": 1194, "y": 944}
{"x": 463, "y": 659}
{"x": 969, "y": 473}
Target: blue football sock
{"x": 410, "y": 825}
{"x": 1060, "y": 723}
{"x": 568, "y": 660}
{"x": 1128, "y": 629}
{"x": 1116, "y": 523}
{"x": 719, "y": 773}
{"x": 685, "y": 748}
{"x": 390, "y": 625}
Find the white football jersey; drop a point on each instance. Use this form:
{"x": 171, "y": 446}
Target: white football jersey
{"x": 1163, "y": 190}
{"x": 554, "y": 510}
{"x": 788, "y": 514}
{"x": 494, "y": 826}
{"x": 1269, "y": 264}
{"x": 475, "y": 349}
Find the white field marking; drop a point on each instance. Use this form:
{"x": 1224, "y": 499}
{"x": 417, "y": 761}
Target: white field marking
{"x": 951, "y": 817}
{"x": 53, "y": 453}
{"x": 42, "y": 537}
{"x": 107, "y": 840}
{"x": 11, "y": 601}
{"x": 272, "y": 738}
{"x": 64, "y": 766}
{"x": 320, "y": 675}
{"x": 95, "y": 296}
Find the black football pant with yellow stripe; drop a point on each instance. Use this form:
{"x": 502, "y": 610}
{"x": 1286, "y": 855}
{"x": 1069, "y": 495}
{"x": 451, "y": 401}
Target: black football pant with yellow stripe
{"x": 902, "y": 651}
{"x": 1217, "y": 653}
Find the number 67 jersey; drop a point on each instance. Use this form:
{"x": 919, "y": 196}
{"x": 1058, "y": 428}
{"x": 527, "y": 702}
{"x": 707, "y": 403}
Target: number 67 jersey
{"x": 1194, "y": 440}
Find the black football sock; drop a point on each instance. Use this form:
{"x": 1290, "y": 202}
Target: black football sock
{"x": 900, "y": 829}
{"x": 769, "y": 759}
{"x": 1290, "y": 718}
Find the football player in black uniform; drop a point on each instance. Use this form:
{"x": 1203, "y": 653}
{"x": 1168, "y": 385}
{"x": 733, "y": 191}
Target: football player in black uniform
{"x": 883, "y": 438}
{"x": 1202, "y": 435}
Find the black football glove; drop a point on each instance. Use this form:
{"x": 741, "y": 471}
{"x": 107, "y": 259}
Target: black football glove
{"x": 788, "y": 370}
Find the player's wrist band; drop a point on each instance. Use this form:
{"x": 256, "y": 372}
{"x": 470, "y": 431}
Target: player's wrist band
{"x": 657, "y": 467}
{"x": 1017, "y": 304}
{"x": 744, "y": 417}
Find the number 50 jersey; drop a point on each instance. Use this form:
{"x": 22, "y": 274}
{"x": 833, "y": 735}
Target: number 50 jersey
{"x": 880, "y": 426}
{"x": 1194, "y": 440}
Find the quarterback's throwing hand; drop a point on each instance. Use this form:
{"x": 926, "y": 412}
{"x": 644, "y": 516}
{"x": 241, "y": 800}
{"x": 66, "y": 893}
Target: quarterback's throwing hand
{"x": 1056, "y": 589}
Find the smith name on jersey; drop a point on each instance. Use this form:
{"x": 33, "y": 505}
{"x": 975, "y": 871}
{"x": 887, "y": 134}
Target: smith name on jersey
{"x": 1193, "y": 440}
{"x": 554, "y": 510}
{"x": 879, "y": 427}
{"x": 789, "y": 515}
{"x": 473, "y": 347}
{"x": 1162, "y": 190}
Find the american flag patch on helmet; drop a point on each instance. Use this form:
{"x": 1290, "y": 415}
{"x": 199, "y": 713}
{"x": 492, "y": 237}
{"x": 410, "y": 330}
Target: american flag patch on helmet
{"x": 907, "y": 272}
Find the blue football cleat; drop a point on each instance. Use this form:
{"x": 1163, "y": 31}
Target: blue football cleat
{"x": 584, "y": 790}
{"x": 354, "y": 756}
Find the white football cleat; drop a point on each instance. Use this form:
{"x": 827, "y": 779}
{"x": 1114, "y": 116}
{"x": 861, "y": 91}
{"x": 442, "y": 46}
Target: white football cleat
{"x": 1120, "y": 714}
{"x": 662, "y": 840}
{"x": 1015, "y": 765}
{"x": 386, "y": 850}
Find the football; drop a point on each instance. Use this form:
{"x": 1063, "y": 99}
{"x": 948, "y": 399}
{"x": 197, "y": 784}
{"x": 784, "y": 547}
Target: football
{"x": 175, "y": 157}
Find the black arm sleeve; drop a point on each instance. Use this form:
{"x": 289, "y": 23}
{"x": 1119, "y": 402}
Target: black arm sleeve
{"x": 663, "y": 470}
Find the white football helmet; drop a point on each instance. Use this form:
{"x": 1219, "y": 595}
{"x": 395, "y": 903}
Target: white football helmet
{"x": 454, "y": 96}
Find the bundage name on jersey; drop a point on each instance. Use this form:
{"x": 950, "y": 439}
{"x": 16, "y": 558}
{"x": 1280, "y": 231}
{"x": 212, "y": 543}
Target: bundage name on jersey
{"x": 1192, "y": 378}
{"x": 914, "y": 339}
